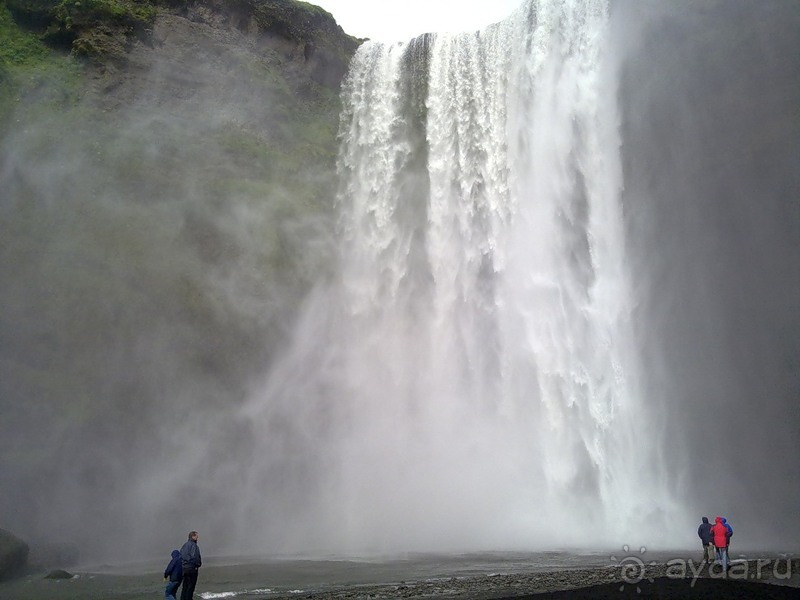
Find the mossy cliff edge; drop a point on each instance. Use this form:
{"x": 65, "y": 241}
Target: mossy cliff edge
{"x": 168, "y": 180}
{"x": 306, "y": 39}
{"x": 205, "y": 104}
{"x": 106, "y": 30}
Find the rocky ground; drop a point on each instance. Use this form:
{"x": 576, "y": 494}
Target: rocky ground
{"x": 765, "y": 578}
{"x": 749, "y": 580}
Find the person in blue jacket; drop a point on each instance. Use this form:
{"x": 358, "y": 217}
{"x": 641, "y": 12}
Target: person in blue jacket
{"x": 173, "y": 575}
{"x": 730, "y": 534}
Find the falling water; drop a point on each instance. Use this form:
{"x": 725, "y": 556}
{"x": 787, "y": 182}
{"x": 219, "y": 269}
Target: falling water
{"x": 468, "y": 379}
{"x": 550, "y": 302}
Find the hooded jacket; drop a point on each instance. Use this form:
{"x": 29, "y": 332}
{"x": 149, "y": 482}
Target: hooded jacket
{"x": 704, "y": 531}
{"x": 190, "y": 556}
{"x": 720, "y": 533}
{"x": 174, "y": 570}
{"x": 728, "y": 527}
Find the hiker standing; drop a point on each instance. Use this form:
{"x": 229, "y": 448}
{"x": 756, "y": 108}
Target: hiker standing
{"x": 720, "y": 533}
{"x": 173, "y": 575}
{"x": 190, "y": 562}
{"x": 704, "y": 532}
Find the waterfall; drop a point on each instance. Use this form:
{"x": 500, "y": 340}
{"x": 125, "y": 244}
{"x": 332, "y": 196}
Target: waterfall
{"x": 469, "y": 377}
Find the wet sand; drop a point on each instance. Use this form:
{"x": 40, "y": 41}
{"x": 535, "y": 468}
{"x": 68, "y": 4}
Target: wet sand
{"x": 476, "y": 577}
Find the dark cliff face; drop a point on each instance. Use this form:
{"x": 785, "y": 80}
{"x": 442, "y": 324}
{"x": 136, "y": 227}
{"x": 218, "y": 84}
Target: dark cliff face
{"x": 167, "y": 186}
{"x": 307, "y": 37}
{"x": 711, "y": 143}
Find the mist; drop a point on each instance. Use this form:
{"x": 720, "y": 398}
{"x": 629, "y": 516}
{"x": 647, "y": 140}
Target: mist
{"x": 362, "y": 363}
{"x": 153, "y": 255}
{"x": 711, "y": 150}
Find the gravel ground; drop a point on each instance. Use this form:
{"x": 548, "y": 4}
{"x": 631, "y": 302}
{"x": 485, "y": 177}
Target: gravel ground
{"x": 677, "y": 578}
{"x": 747, "y": 579}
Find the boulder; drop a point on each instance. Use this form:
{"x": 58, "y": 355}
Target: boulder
{"x": 59, "y": 574}
{"x": 13, "y": 555}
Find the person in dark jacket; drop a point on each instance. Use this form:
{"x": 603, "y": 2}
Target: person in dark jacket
{"x": 173, "y": 575}
{"x": 704, "y": 532}
{"x": 190, "y": 563}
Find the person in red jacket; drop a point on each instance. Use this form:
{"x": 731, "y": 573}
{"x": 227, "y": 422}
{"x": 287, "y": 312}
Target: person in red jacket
{"x": 720, "y": 536}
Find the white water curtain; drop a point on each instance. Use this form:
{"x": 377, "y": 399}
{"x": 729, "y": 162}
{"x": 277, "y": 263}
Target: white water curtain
{"x": 472, "y": 366}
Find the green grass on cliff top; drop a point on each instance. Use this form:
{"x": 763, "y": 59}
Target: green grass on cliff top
{"x": 28, "y": 66}
{"x": 19, "y": 48}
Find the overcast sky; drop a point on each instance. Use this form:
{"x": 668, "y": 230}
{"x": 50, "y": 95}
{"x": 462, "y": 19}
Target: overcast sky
{"x": 401, "y": 20}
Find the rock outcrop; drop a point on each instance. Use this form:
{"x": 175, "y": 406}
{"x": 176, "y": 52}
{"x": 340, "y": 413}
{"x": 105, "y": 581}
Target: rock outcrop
{"x": 106, "y": 30}
{"x": 194, "y": 143}
{"x": 13, "y": 555}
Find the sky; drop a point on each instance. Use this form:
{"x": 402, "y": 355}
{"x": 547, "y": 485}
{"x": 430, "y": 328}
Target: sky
{"x": 391, "y": 20}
